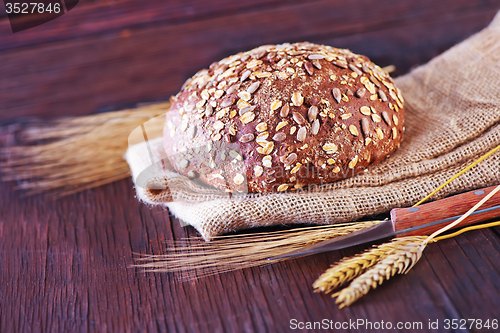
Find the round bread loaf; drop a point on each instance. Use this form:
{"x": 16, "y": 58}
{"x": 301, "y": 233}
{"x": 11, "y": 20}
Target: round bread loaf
{"x": 280, "y": 117}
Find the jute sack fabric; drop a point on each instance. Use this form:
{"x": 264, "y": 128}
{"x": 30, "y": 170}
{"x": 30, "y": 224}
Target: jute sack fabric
{"x": 452, "y": 117}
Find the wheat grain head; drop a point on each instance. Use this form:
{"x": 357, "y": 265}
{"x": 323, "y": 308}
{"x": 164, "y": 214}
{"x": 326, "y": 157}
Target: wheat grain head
{"x": 402, "y": 254}
{"x": 75, "y": 153}
{"x": 347, "y": 269}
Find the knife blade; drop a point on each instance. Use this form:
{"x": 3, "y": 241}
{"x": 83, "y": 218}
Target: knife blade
{"x": 421, "y": 220}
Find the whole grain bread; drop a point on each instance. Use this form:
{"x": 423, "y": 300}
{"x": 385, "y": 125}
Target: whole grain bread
{"x": 280, "y": 117}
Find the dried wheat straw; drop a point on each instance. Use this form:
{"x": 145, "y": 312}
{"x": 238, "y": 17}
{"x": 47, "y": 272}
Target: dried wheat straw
{"x": 474, "y": 227}
{"x": 77, "y": 153}
{"x": 194, "y": 258}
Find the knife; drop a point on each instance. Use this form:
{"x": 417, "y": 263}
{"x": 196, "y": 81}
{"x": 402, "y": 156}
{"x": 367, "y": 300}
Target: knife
{"x": 422, "y": 220}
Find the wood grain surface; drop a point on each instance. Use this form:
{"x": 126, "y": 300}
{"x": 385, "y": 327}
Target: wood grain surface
{"x": 65, "y": 264}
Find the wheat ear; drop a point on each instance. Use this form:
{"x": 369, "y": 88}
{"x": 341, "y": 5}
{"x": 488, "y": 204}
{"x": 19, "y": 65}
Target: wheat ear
{"x": 194, "y": 258}
{"x": 400, "y": 256}
{"x": 77, "y": 153}
{"x": 348, "y": 269}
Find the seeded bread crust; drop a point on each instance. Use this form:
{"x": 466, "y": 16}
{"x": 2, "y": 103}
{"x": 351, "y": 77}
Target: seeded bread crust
{"x": 280, "y": 117}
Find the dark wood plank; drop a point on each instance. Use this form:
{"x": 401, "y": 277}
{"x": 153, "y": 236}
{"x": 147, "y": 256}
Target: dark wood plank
{"x": 65, "y": 265}
{"x": 116, "y": 70}
{"x": 96, "y": 18}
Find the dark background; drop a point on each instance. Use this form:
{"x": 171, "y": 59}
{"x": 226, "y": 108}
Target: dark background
{"x": 64, "y": 264}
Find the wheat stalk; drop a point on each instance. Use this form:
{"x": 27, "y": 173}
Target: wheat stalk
{"x": 399, "y": 257}
{"x": 195, "y": 258}
{"x": 77, "y": 153}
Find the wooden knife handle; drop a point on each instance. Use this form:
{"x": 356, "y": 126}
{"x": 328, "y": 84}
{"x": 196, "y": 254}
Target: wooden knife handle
{"x": 422, "y": 219}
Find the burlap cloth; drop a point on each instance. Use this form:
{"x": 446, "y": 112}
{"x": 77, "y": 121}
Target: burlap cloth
{"x": 452, "y": 117}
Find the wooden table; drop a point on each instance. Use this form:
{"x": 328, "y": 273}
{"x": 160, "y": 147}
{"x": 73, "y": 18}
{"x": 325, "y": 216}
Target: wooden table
{"x": 64, "y": 265}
